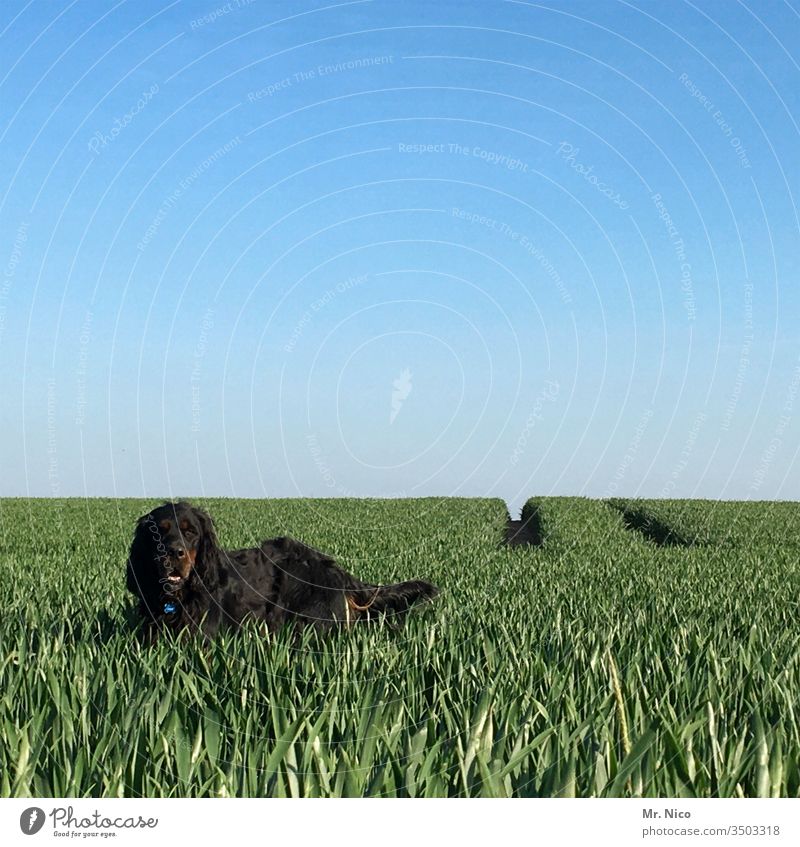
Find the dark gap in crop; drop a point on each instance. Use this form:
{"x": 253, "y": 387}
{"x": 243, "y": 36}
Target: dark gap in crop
{"x": 651, "y": 527}
{"x": 526, "y": 531}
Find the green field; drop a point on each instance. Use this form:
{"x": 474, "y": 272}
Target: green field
{"x": 645, "y": 648}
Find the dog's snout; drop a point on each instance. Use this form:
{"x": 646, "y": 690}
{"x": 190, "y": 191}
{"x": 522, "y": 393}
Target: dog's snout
{"x": 177, "y": 552}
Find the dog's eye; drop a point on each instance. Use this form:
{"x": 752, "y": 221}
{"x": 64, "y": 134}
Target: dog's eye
{"x": 188, "y": 532}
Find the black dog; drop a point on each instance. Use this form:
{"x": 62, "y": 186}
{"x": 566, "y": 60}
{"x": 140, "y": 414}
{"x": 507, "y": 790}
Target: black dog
{"x": 183, "y": 579}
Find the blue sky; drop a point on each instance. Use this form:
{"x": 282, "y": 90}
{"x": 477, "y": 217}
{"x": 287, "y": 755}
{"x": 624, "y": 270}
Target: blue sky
{"x": 400, "y": 249}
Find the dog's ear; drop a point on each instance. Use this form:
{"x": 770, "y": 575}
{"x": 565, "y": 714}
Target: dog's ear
{"x": 207, "y": 561}
{"x": 139, "y": 570}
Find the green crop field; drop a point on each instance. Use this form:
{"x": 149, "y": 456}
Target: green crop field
{"x": 644, "y": 648}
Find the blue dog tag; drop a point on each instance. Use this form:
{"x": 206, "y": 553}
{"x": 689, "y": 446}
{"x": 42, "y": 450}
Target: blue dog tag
{"x": 169, "y": 608}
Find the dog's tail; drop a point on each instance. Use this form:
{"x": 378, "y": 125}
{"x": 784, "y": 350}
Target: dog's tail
{"x": 393, "y": 600}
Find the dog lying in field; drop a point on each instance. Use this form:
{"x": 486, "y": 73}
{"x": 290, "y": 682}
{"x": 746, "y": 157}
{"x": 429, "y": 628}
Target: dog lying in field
{"x": 184, "y": 579}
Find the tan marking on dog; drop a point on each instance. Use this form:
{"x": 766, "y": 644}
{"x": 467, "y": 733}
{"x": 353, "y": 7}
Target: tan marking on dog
{"x": 356, "y": 608}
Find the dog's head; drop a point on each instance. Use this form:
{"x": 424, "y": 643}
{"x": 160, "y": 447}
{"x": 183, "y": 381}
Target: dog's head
{"x": 174, "y": 546}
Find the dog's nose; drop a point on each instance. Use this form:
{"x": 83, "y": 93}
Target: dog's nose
{"x": 177, "y": 552}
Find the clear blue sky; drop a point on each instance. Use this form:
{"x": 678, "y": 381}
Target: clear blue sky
{"x": 400, "y": 249}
